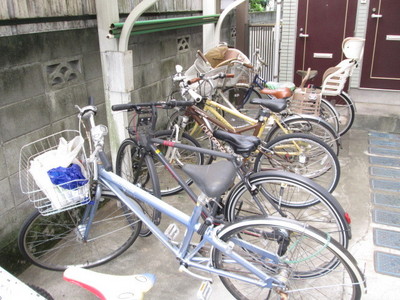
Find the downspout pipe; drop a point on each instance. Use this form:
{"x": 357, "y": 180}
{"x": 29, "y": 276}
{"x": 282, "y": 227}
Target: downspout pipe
{"x": 227, "y": 10}
{"x": 277, "y": 39}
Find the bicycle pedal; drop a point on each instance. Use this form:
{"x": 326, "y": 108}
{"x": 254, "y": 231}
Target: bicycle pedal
{"x": 204, "y": 292}
{"x": 172, "y": 231}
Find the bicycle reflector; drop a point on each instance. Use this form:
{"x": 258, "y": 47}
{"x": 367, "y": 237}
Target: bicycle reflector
{"x": 347, "y": 217}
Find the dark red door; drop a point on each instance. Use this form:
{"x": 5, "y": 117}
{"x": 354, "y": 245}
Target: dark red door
{"x": 321, "y": 27}
{"x": 381, "y": 63}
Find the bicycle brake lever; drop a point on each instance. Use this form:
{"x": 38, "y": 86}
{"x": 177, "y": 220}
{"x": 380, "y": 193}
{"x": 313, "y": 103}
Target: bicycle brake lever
{"x": 85, "y": 110}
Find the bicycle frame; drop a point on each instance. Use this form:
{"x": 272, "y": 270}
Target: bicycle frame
{"x": 219, "y": 120}
{"x": 121, "y": 188}
{"x": 257, "y": 82}
{"x": 199, "y": 115}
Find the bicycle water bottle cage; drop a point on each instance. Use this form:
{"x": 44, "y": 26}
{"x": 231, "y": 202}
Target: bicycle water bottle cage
{"x": 241, "y": 144}
{"x": 209, "y": 178}
{"x": 276, "y": 105}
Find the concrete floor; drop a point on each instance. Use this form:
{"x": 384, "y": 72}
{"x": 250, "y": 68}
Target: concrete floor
{"x": 147, "y": 254}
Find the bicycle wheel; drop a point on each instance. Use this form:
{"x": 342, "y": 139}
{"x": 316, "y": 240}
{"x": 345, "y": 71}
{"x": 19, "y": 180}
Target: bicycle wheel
{"x": 345, "y": 108}
{"x": 138, "y": 168}
{"x": 177, "y": 158}
{"x": 305, "y": 261}
{"x": 329, "y": 114}
{"x": 55, "y": 242}
{"x": 276, "y": 192}
{"x": 302, "y": 154}
{"x": 309, "y": 125}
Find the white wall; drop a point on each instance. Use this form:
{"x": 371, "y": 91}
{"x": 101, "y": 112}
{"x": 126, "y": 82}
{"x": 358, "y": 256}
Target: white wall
{"x": 288, "y": 40}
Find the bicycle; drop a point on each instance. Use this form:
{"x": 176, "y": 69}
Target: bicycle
{"x": 281, "y": 193}
{"x": 85, "y": 227}
{"x": 276, "y": 125}
{"x": 298, "y": 153}
{"x": 338, "y": 110}
{"x": 177, "y": 157}
{"x": 262, "y": 254}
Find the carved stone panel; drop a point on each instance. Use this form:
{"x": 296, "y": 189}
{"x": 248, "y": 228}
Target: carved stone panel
{"x": 63, "y": 72}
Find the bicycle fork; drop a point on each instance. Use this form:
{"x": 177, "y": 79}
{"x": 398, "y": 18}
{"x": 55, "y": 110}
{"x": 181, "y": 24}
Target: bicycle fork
{"x": 83, "y": 229}
{"x": 254, "y": 191}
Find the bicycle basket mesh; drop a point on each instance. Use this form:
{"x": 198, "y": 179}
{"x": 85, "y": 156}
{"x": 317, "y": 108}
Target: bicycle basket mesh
{"x": 306, "y": 101}
{"x": 48, "y": 153}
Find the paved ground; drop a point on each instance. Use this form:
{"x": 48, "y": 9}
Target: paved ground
{"x": 357, "y": 192}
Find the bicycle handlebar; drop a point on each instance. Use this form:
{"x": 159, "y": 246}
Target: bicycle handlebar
{"x": 139, "y": 106}
{"x": 97, "y": 132}
{"x": 217, "y": 76}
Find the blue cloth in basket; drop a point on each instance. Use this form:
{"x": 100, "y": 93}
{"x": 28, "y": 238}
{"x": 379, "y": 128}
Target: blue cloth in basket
{"x": 68, "y": 178}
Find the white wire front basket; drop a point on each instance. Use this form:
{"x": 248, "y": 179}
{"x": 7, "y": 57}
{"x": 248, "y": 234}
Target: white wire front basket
{"x": 53, "y": 172}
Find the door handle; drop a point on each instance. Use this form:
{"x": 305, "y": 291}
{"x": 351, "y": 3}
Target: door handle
{"x": 304, "y": 35}
{"x": 376, "y": 16}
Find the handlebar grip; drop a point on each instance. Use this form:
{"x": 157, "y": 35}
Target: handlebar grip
{"x": 174, "y": 103}
{"x": 230, "y": 75}
{"x": 196, "y": 97}
{"x": 193, "y": 80}
{"x": 91, "y": 100}
{"x": 104, "y": 159}
{"x": 117, "y": 107}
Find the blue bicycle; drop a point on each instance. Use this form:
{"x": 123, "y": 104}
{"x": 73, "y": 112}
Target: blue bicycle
{"x": 256, "y": 258}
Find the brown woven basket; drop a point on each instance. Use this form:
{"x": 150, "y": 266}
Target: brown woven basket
{"x": 306, "y": 101}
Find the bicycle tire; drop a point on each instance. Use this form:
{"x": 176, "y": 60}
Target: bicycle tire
{"x": 308, "y": 125}
{"x": 54, "y": 242}
{"x": 168, "y": 184}
{"x": 300, "y": 198}
{"x": 134, "y": 165}
{"x": 316, "y": 160}
{"x": 345, "y": 107}
{"x": 42, "y": 292}
{"x": 310, "y": 263}
{"x": 329, "y": 114}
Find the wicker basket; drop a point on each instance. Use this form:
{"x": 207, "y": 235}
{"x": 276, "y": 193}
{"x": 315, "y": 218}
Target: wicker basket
{"x": 50, "y": 198}
{"x": 306, "y": 101}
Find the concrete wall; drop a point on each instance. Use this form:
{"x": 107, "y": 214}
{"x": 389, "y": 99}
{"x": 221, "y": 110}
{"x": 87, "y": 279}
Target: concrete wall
{"x": 42, "y": 77}
{"x": 263, "y": 18}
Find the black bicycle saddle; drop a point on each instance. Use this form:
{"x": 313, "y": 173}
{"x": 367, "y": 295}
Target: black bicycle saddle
{"x": 275, "y": 105}
{"x": 214, "y": 179}
{"x": 241, "y": 144}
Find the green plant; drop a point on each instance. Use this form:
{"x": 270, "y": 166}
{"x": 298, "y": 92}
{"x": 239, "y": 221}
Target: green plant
{"x": 257, "y": 5}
